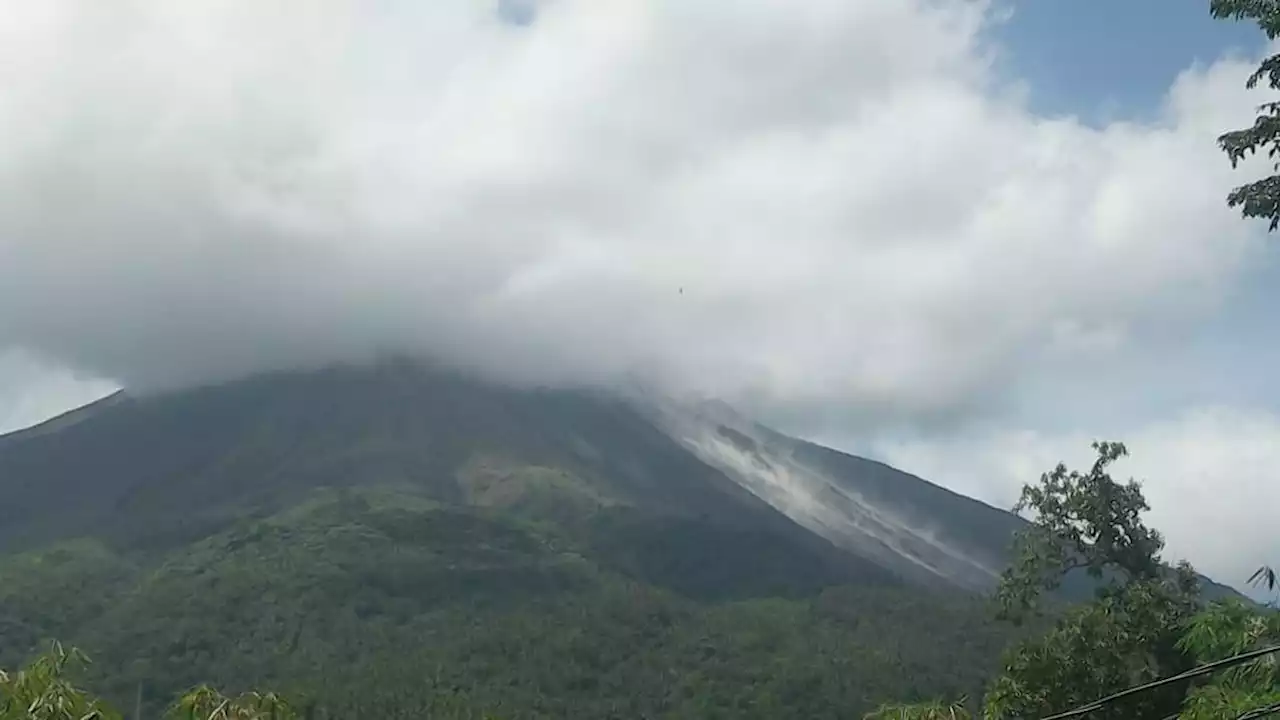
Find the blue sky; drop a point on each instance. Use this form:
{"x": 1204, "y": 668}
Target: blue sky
{"x": 1106, "y": 60}
{"x": 1101, "y": 59}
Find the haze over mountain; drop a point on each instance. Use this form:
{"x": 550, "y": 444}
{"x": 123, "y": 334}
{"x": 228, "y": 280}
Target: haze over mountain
{"x": 182, "y": 465}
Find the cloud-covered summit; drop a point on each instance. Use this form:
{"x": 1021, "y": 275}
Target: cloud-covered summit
{"x": 785, "y": 204}
{"x": 838, "y": 215}
{"x": 791, "y": 203}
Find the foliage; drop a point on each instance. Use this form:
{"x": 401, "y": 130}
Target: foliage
{"x": 1265, "y": 576}
{"x": 375, "y": 604}
{"x": 936, "y": 710}
{"x": 59, "y": 587}
{"x": 1084, "y": 521}
{"x": 1260, "y": 198}
{"x": 205, "y": 703}
{"x": 41, "y": 691}
{"x": 1129, "y": 634}
{"x": 1222, "y": 631}
{"x": 1146, "y": 622}
{"x": 1125, "y": 638}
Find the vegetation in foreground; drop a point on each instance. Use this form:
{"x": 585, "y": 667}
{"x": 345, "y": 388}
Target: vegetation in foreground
{"x": 637, "y": 652}
{"x": 1147, "y": 622}
{"x": 367, "y": 605}
{"x": 43, "y": 691}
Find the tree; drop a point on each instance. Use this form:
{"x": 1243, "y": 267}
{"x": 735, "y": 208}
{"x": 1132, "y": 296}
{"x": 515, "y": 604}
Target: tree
{"x": 1088, "y": 522}
{"x": 1260, "y": 198}
{"x": 1265, "y": 575}
{"x": 1130, "y": 633}
{"x": 1225, "y": 630}
{"x": 937, "y": 710}
{"x": 1081, "y": 522}
{"x": 42, "y": 691}
{"x": 205, "y": 703}
{"x": 1123, "y": 639}
{"x": 1146, "y": 621}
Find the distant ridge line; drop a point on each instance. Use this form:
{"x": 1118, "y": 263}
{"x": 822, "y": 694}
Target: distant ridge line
{"x": 65, "y": 420}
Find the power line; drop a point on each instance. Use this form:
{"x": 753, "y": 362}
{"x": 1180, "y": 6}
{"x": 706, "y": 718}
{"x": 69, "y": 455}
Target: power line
{"x": 1194, "y": 672}
{"x": 1263, "y": 711}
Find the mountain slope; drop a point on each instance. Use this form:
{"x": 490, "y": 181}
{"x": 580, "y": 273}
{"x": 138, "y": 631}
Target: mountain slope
{"x": 926, "y": 532}
{"x": 159, "y": 472}
{"x": 415, "y": 541}
{"x": 381, "y": 604}
{"x": 156, "y": 473}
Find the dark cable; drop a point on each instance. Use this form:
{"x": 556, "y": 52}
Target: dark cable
{"x": 1263, "y": 711}
{"x": 1194, "y": 672}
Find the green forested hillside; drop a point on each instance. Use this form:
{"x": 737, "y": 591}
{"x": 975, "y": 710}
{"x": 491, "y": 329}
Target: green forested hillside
{"x": 391, "y": 603}
{"x": 152, "y": 473}
{"x": 396, "y": 542}
{"x": 396, "y": 539}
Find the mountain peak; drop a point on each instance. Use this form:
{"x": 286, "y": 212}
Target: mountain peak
{"x": 167, "y": 468}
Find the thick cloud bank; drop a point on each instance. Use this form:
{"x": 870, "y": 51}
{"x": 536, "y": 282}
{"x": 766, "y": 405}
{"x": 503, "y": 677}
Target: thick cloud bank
{"x": 829, "y": 212}
{"x": 784, "y": 204}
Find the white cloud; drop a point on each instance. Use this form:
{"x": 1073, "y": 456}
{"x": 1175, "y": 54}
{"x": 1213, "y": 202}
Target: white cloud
{"x": 31, "y": 392}
{"x": 1209, "y": 475}
{"x": 856, "y": 214}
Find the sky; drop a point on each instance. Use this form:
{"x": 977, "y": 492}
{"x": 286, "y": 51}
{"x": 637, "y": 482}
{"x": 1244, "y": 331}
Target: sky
{"x": 965, "y": 237}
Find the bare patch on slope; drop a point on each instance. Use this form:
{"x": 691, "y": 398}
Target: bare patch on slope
{"x": 764, "y": 463}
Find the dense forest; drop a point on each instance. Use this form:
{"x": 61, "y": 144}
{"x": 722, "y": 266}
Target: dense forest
{"x": 360, "y": 605}
{"x": 359, "y": 601}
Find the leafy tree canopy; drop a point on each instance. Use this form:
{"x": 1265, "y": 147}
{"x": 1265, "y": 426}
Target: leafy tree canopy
{"x": 1259, "y": 198}
{"x": 1147, "y": 622}
{"x": 43, "y": 691}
